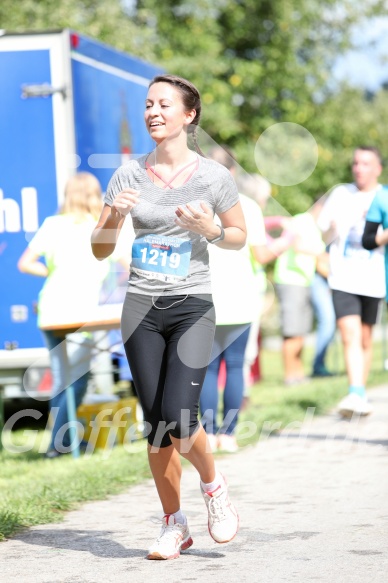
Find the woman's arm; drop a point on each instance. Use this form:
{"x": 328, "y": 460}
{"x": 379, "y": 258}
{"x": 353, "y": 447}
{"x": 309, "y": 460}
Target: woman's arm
{"x": 29, "y": 263}
{"x": 104, "y": 236}
{"x": 107, "y": 230}
{"x": 235, "y": 229}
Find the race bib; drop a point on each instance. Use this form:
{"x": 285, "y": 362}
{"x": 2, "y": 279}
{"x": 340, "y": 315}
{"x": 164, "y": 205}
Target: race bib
{"x": 163, "y": 258}
{"x": 352, "y": 250}
{"x": 353, "y": 245}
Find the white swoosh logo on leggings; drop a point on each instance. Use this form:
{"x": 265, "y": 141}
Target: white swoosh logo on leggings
{"x": 194, "y": 383}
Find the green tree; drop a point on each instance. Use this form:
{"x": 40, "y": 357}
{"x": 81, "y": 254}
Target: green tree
{"x": 104, "y": 20}
{"x": 256, "y": 63}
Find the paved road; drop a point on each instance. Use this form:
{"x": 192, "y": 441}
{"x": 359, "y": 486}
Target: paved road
{"x": 313, "y": 505}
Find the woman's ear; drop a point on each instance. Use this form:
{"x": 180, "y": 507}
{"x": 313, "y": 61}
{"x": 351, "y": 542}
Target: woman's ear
{"x": 190, "y": 116}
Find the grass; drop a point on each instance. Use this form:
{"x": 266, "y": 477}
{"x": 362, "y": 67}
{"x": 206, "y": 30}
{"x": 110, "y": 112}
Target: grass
{"x": 39, "y": 491}
{"x": 271, "y": 404}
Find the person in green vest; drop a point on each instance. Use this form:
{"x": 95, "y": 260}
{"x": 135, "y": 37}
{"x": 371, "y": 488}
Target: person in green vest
{"x": 293, "y": 275}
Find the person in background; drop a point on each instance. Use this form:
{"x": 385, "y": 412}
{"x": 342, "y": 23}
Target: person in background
{"x": 73, "y": 279}
{"x": 293, "y": 275}
{"x": 171, "y": 195}
{"x": 322, "y": 302}
{"x": 259, "y": 189}
{"x": 356, "y": 274}
{"x": 237, "y": 295}
{"x": 374, "y": 236}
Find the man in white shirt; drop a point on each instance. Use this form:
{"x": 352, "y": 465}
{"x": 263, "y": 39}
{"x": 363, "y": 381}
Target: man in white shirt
{"x": 356, "y": 274}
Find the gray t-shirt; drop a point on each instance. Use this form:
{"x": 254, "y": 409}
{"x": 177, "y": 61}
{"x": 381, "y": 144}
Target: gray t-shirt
{"x": 166, "y": 259}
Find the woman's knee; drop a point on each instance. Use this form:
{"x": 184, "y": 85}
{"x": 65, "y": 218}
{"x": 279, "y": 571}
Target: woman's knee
{"x": 180, "y": 425}
{"x": 159, "y": 434}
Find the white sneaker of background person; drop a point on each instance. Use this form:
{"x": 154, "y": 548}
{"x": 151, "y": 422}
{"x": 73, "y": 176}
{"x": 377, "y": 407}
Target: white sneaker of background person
{"x": 227, "y": 443}
{"x": 354, "y": 404}
{"x": 223, "y": 520}
{"x": 213, "y": 441}
{"x": 173, "y": 539}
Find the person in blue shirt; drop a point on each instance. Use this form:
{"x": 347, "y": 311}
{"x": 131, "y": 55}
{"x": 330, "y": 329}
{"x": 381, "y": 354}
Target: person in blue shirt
{"x": 374, "y": 237}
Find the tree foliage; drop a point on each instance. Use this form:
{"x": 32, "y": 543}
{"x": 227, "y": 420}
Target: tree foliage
{"x": 256, "y": 63}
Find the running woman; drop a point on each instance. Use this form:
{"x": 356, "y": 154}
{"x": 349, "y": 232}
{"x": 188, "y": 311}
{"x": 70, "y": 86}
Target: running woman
{"x": 171, "y": 195}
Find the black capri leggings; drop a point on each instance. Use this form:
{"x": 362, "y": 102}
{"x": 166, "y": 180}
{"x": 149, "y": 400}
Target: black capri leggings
{"x": 168, "y": 341}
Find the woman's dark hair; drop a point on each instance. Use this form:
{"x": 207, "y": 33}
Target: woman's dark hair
{"x": 191, "y": 100}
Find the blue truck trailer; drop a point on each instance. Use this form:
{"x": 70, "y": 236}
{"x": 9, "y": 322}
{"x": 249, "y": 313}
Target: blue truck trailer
{"x": 68, "y": 103}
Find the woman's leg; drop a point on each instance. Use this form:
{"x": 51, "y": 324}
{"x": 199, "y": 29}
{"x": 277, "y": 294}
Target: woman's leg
{"x": 145, "y": 347}
{"x": 168, "y": 352}
{"x": 70, "y": 365}
{"x": 189, "y": 332}
{"x": 186, "y": 370}
{"x": 322, "y": 301}
{"x": 209, "y": 394}
{"x": 195, "y": 449}
{"x": 79, "y": 351}
{"x": 79, "y": 348}
{"x": 189, "y": 349}
{"x": 235, "y": 341}
{"x": 252, "y": 347}
{"x": 165, "y": 465}
{"x": 59, "y": 366}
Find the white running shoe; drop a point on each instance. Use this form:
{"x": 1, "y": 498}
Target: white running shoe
{"x": 353, "y": 404}
{"x": 227, "y": 443}
{"x": 173, "y": 539}
{"x": 223, "y": 519}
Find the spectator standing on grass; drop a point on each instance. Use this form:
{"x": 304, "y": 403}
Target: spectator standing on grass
{"x": 356, "y": 274}
{"x": 73, "y": 279}
{"x": 171, "y": 195}
{"x": 293, "y": 275}
{"x": 259, "y": 189}
{"x": 237, "y": 294}
{"x": 323, "y": 307}
{"x": 322, "y": 301}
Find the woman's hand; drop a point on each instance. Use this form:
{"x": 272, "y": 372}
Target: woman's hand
{"x": 198, "y": 221}
{"x": 125, "y": 201}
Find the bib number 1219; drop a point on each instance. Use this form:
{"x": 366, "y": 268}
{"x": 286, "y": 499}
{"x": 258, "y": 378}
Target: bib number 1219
{"x": 159, "y": 257}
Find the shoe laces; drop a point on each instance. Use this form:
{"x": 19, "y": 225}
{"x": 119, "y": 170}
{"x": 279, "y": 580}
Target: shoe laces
{"x": 217, "y": 507}
{"x": 168, "y": 531}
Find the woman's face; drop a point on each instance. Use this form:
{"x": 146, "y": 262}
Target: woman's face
{"x": 165, "y": 116}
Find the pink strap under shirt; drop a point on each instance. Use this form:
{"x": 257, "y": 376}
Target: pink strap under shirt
{"x": 169, "y": 183}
